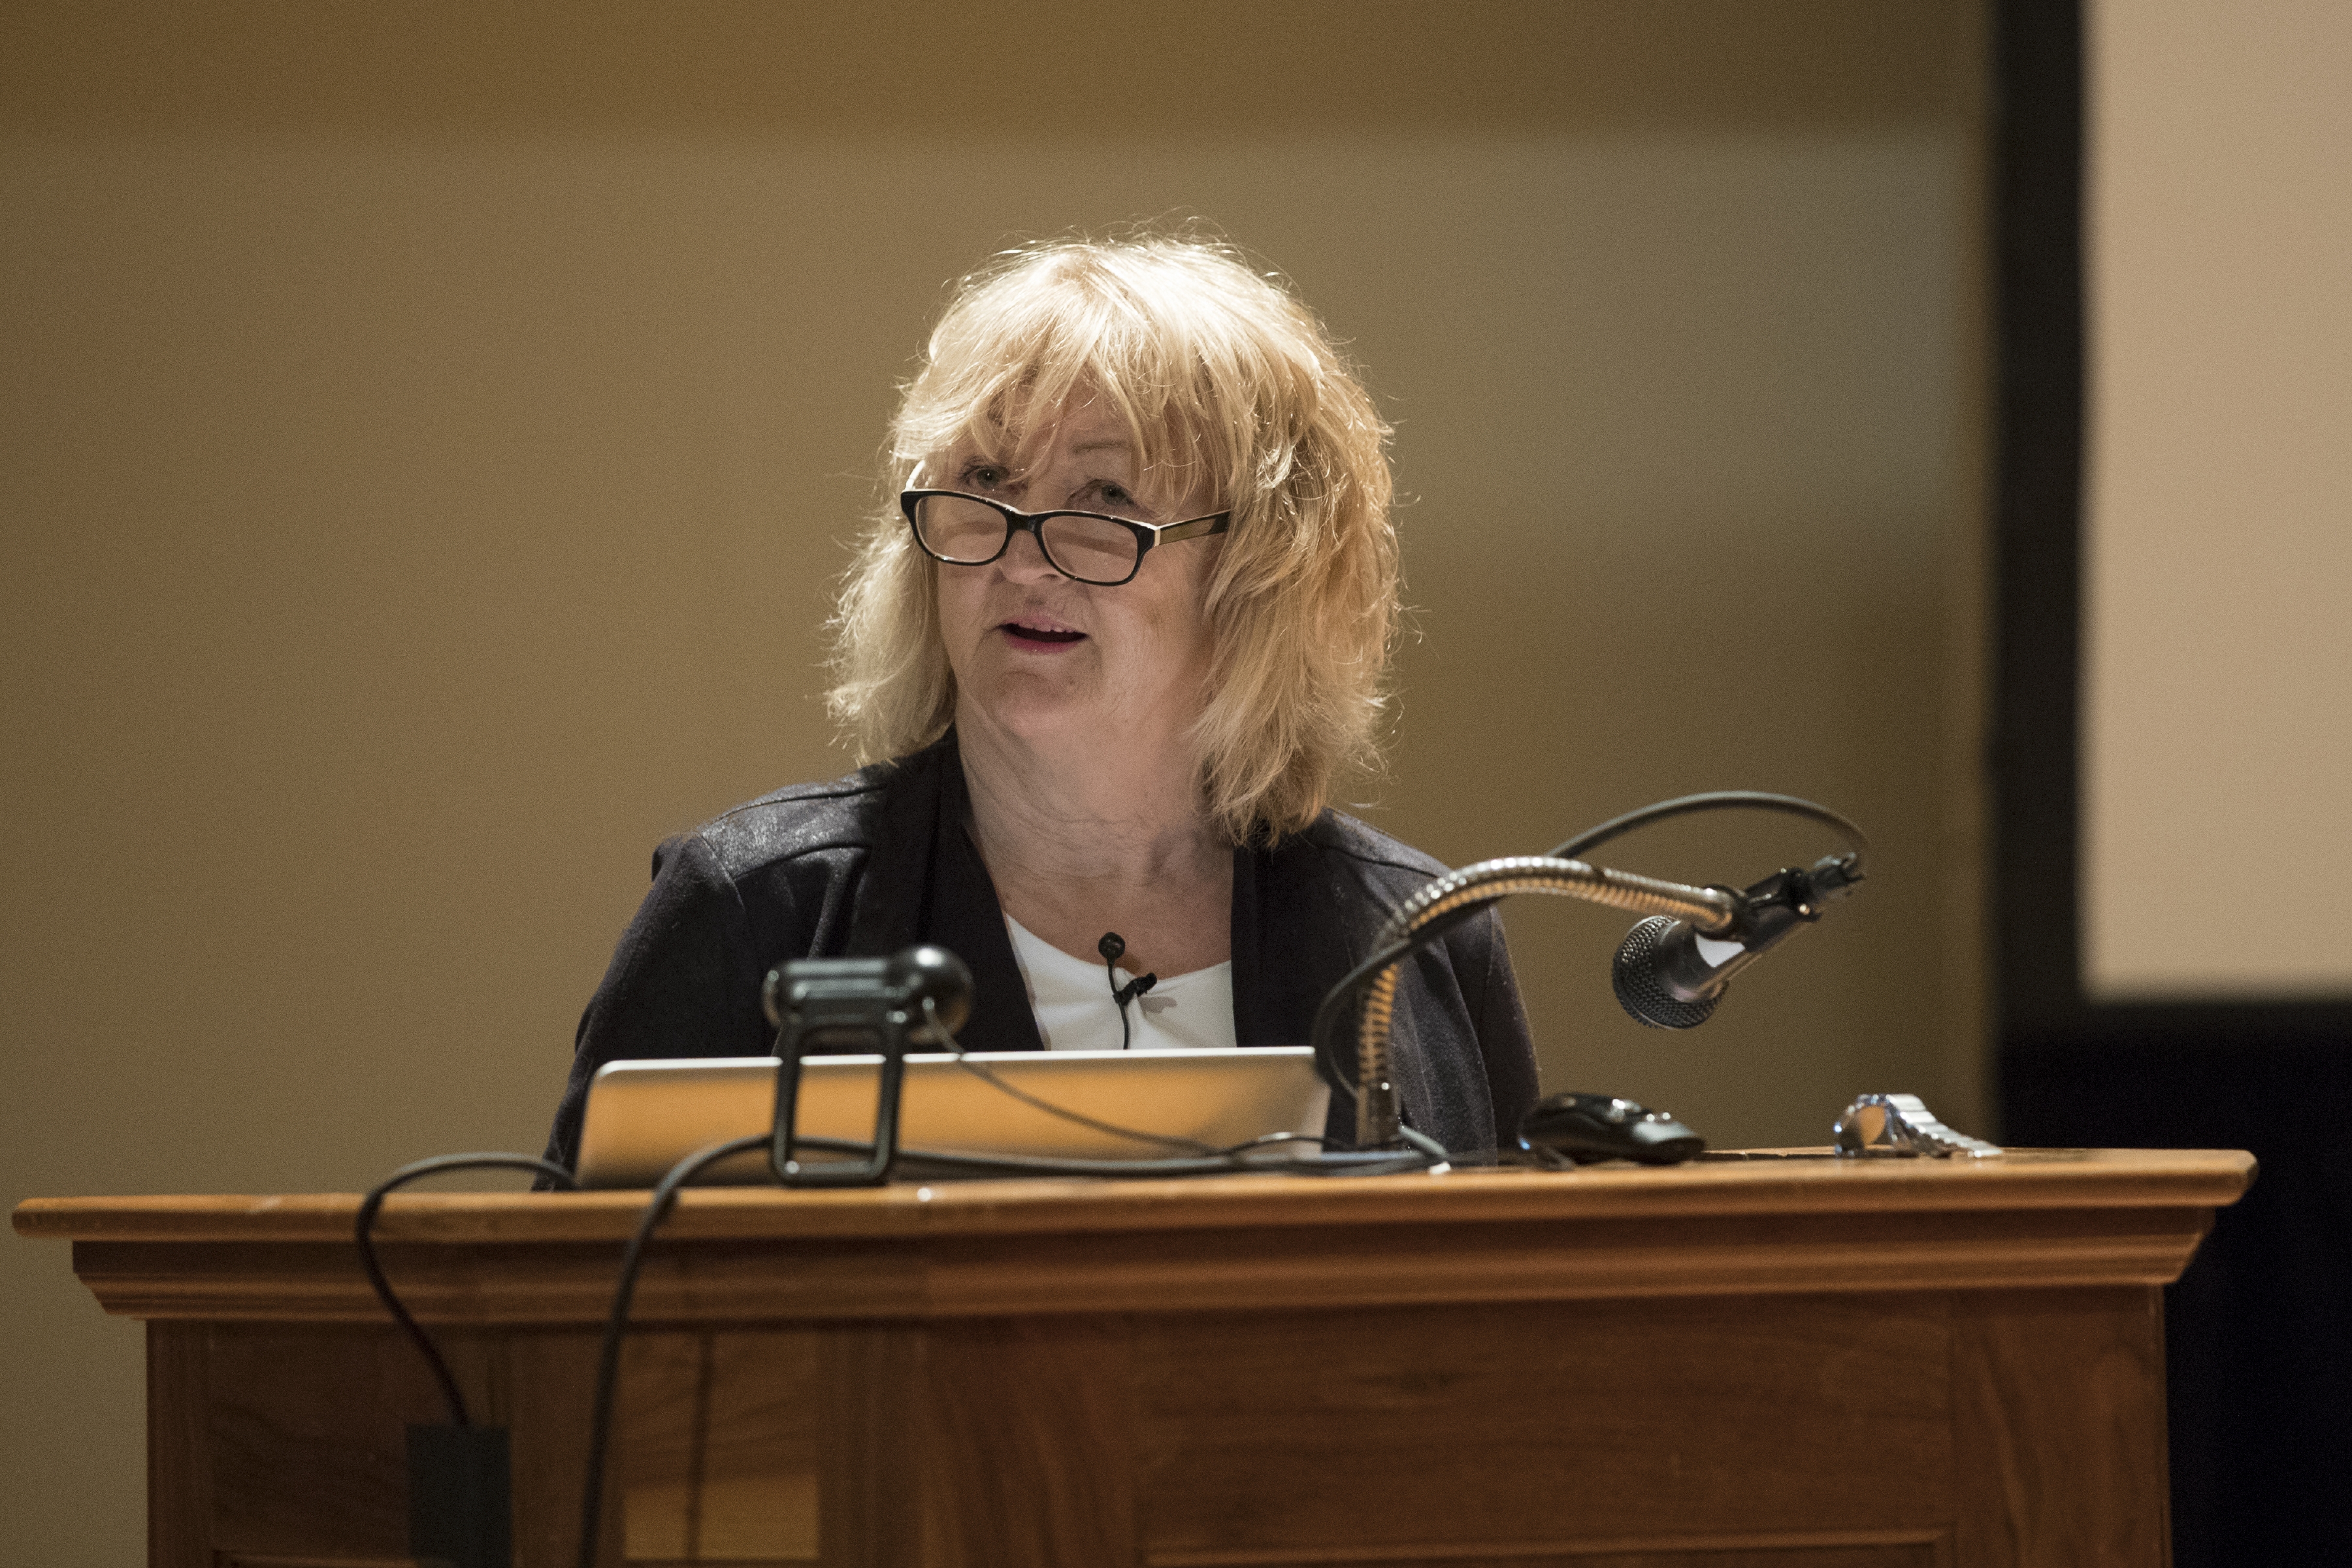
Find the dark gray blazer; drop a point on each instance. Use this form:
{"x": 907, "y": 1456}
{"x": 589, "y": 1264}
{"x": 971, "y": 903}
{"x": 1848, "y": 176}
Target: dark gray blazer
{"x": 880, "y": 860}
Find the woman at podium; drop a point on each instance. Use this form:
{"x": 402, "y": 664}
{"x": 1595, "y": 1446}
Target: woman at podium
{"x": 1121, "y": 628}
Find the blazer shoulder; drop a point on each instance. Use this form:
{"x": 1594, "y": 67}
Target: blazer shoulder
{"x": 1337, "y": 834}
{"x": 804, "y": 819}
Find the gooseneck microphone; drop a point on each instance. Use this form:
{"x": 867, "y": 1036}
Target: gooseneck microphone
{"x": 1669, "y": 976}
{"x": 1111, "y": 947}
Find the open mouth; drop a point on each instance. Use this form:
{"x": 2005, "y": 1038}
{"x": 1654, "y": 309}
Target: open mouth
{"x": 1048, "y": 635}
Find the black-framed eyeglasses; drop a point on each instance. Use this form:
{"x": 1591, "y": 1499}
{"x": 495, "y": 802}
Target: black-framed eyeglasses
{"x": 1086, "y": 546}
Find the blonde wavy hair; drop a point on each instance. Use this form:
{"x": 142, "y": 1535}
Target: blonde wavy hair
{"x": 1224, "y": 378}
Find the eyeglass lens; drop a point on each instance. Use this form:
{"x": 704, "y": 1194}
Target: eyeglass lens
{"x": 1092, "y": 550}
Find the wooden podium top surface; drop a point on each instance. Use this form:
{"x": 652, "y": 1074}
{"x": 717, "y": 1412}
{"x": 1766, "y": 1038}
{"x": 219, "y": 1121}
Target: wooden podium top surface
{"x": 2032, "y": 1217}
{"x": 1789, "y": 1183}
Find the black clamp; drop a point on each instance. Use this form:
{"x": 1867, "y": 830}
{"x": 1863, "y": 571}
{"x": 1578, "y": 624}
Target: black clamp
{"x": 865, "y": 1006}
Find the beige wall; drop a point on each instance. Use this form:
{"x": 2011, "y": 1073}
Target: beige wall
{"x": 2218, "y": 561}
{"x": 427, "y": 436}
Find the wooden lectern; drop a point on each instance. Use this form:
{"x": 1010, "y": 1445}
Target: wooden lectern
{"x": 1797, "y": 1363}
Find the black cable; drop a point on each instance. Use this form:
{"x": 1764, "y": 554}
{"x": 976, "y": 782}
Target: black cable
{"x": 1206, "y": 1160}
{"x": 983, "y": 1072}
{"x": 1711, "y": 800}
{"x": 1113, "y": 947}
{"x": 1118, "y": 997}
{"x": 1163, "y": 1140}
{"x": 1228, "y": 1162}
{"x": 939, "y": 1035}
{"x": 608, "y": 1363}
{"x": 1268, "y": 1140}
{"x": 1430, "y": 1147}
{"x": 364, "y": 1236}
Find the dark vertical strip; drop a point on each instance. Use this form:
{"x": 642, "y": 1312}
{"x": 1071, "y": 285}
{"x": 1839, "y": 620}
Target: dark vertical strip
{"x": 2037, "y": 201}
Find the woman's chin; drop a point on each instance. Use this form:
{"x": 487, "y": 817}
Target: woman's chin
{"x": 1036, "y": 712}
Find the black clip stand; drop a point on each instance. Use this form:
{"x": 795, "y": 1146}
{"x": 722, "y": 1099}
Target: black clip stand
{"x": 833, "y": 1005}
{"x": 862, "y": 1005}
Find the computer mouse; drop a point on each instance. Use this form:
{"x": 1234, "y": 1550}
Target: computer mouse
{"x": 1587, "y": 1128}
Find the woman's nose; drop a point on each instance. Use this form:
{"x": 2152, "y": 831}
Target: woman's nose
{"x": 1023, "y": 560}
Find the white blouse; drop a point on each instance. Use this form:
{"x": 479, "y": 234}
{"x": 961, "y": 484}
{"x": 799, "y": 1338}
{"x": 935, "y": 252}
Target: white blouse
{"x": 1072, "y": 1002}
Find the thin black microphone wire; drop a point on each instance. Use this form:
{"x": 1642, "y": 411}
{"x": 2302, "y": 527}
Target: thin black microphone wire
{"x": 1118, "y": 998}
{"x": 616, "y": 1325}
{"x": 1202, "y": 1159}
{"x": 980, "y": 1071}
{"x": 1227, "y": 1161}
{"x": 1112, "y": 947}
{"x": 940, "y": 1036}
{"x": 1712, "y": 800}
{"x": 364, "y": 1237}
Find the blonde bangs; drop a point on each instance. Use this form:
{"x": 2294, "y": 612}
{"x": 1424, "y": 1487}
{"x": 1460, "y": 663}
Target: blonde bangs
{"x": 1232, "y": 388}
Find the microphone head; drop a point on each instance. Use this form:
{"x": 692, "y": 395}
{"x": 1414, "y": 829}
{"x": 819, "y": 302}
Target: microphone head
{"x": 1112, "y": 946}
{"x": 1635, "y": 978}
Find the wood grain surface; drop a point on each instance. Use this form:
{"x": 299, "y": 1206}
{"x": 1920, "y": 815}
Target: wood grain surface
{"x": 2076, "y": 1218}
{"x": 2023, "y": 1179}
{"x": 1788, "y": 1364}
{"x": 2062, "y": 1398}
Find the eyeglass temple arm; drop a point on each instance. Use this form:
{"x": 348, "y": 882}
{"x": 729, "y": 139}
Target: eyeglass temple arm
{"x": 1176, "y": 532}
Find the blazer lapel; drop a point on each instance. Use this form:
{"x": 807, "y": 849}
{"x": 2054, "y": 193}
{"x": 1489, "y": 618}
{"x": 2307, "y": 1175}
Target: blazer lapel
{"x": 963, "y": 916}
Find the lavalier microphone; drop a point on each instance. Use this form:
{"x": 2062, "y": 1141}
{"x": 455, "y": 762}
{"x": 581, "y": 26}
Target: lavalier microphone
{"x": 1112, "y": 947}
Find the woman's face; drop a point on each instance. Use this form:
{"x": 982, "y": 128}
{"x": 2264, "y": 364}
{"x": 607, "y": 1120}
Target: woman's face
{"x": 1041, "y": 656}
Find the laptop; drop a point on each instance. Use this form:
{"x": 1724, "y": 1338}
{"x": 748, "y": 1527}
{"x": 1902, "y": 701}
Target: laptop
{"x": 643, "y": 1117}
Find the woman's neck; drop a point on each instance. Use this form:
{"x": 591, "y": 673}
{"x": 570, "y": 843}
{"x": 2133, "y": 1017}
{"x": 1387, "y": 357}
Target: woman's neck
{"x": 1082, "y": 837}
